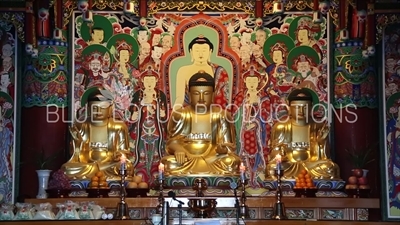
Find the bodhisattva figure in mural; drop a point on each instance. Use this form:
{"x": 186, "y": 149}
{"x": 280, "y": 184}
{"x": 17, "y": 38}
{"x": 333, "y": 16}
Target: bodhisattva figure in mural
{"x": 98, "y": 142}
{"x": 251, "y": 119}
{"x": 149, "y": 116}
{"x": 201, "y": 136}
{"x": 200, "y": 49}
{"x": 302, "y": 142}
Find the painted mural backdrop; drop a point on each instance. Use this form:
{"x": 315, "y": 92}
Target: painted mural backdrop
{"x": 391, "y": 84}
{"x": 146, "y": 64}
{"x": 8, "y": 45}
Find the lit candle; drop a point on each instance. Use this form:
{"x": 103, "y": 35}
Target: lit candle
{"x": 278, "y": 162}
{"x": 123, "y": 162}
{"x": 160, "y": 171}
{"x": 242, "y": 171}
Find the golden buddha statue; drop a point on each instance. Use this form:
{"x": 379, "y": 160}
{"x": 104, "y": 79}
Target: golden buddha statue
{"x": 301, "y": 142}
{"x": 201, "y": 136}
{"x": 98, "y": 142}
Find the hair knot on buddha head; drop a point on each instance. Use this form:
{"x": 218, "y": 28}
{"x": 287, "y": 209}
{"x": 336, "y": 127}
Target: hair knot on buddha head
{"x": 300, "y": 95}
{"x": 201, "y": 78}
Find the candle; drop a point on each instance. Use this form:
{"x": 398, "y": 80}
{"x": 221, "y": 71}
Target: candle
{"x": 278, "y": 162}
{"x": 242, "y": 171}
{"x": 160, "y": 171}
{"x": 123, "y": 162}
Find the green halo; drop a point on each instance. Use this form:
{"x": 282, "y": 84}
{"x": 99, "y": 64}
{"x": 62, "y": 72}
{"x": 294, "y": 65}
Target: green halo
{"x": 131, "y": 41}
{"x": 392, "y": 101}
{"x": 302, "y": 50}
{"x": 98, "y": 22}
{"x": 8, "y": 99}
{"x": 272, "y": 40}
{"x": 87, "y": 93}
{"x": 294, "y": 24}
{"x": 96, "y": 48}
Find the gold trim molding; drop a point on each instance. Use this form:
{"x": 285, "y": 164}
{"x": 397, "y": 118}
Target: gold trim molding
{"x": 17, "y": 19}
{"x": 245, "y": 6}
{"x": 71, "y": 5}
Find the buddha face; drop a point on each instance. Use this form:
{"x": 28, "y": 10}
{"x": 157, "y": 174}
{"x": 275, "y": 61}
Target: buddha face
{"x": 124, "y": 56}
{"x": 300, "y": 110}
{"x": 251, "y": 83}
{"x": 201, "y": 97}
{"x": 277, "y": 57}
{"x": 302, "y": 36}
{"x": 99, "y": 110}
{"x": 200, "y": 53}
{"x": 98, "y": 36}
{"x": 149, "y": 82}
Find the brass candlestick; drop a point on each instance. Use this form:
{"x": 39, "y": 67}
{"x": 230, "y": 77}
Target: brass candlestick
{"x": 244, "y": 210}
{"x": 122, "y": 207}
{"x": 279, "y": 212}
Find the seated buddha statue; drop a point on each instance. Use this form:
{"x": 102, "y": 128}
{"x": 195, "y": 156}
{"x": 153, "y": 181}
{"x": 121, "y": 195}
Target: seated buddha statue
{"x": 98, "y": 142}
{"x": 201, "y": 136}
{"x": 301, "y": 141}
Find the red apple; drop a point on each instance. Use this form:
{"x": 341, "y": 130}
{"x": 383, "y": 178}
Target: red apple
{"x": 357, "y": 172}
{"x": 362, "y": 180}
{"x": 352, "y": 180}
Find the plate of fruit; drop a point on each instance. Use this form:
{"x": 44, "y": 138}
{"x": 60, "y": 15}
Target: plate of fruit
{"x": 137, "y": 187}
{"x": 98, "y": 187}
{"x": 304, "y": 186}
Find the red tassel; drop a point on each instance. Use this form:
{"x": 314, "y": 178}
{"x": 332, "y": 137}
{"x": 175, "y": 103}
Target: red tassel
{"x": 358, "y": 24}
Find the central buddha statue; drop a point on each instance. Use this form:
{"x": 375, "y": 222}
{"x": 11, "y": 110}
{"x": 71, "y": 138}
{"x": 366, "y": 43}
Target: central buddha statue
{"x": 201, "y": 136}
{"x": 98, "y": 142}
{"x": 301, "y": 142}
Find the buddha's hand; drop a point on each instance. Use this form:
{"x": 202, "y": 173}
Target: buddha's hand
{"x": 76, "y": 135}
{"x": 180, "y": 157}
{"x": 223, "y": 148}
{"x": 323, "y": 132}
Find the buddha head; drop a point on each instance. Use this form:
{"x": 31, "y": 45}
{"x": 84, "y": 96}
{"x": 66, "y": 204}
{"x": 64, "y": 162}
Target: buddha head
{"x": 201, "y": 89}
{"x": 300, "y": 104}
{"x": 98, "y": 106}
{"x": 200, "y": 49}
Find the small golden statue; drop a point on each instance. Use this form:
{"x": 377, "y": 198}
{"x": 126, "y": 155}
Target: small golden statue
{"x": 99, "y": 142}
{"x": 201, "y": 136}
{"x": 301, "y": 142}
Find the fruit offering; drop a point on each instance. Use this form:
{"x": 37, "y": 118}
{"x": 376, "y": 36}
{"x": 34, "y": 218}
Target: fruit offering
{"x": 99, "y": 180}
{"x": 59, "y": 181}
{"x": 137, "y": 182}
{"x": 304, "y": 180}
